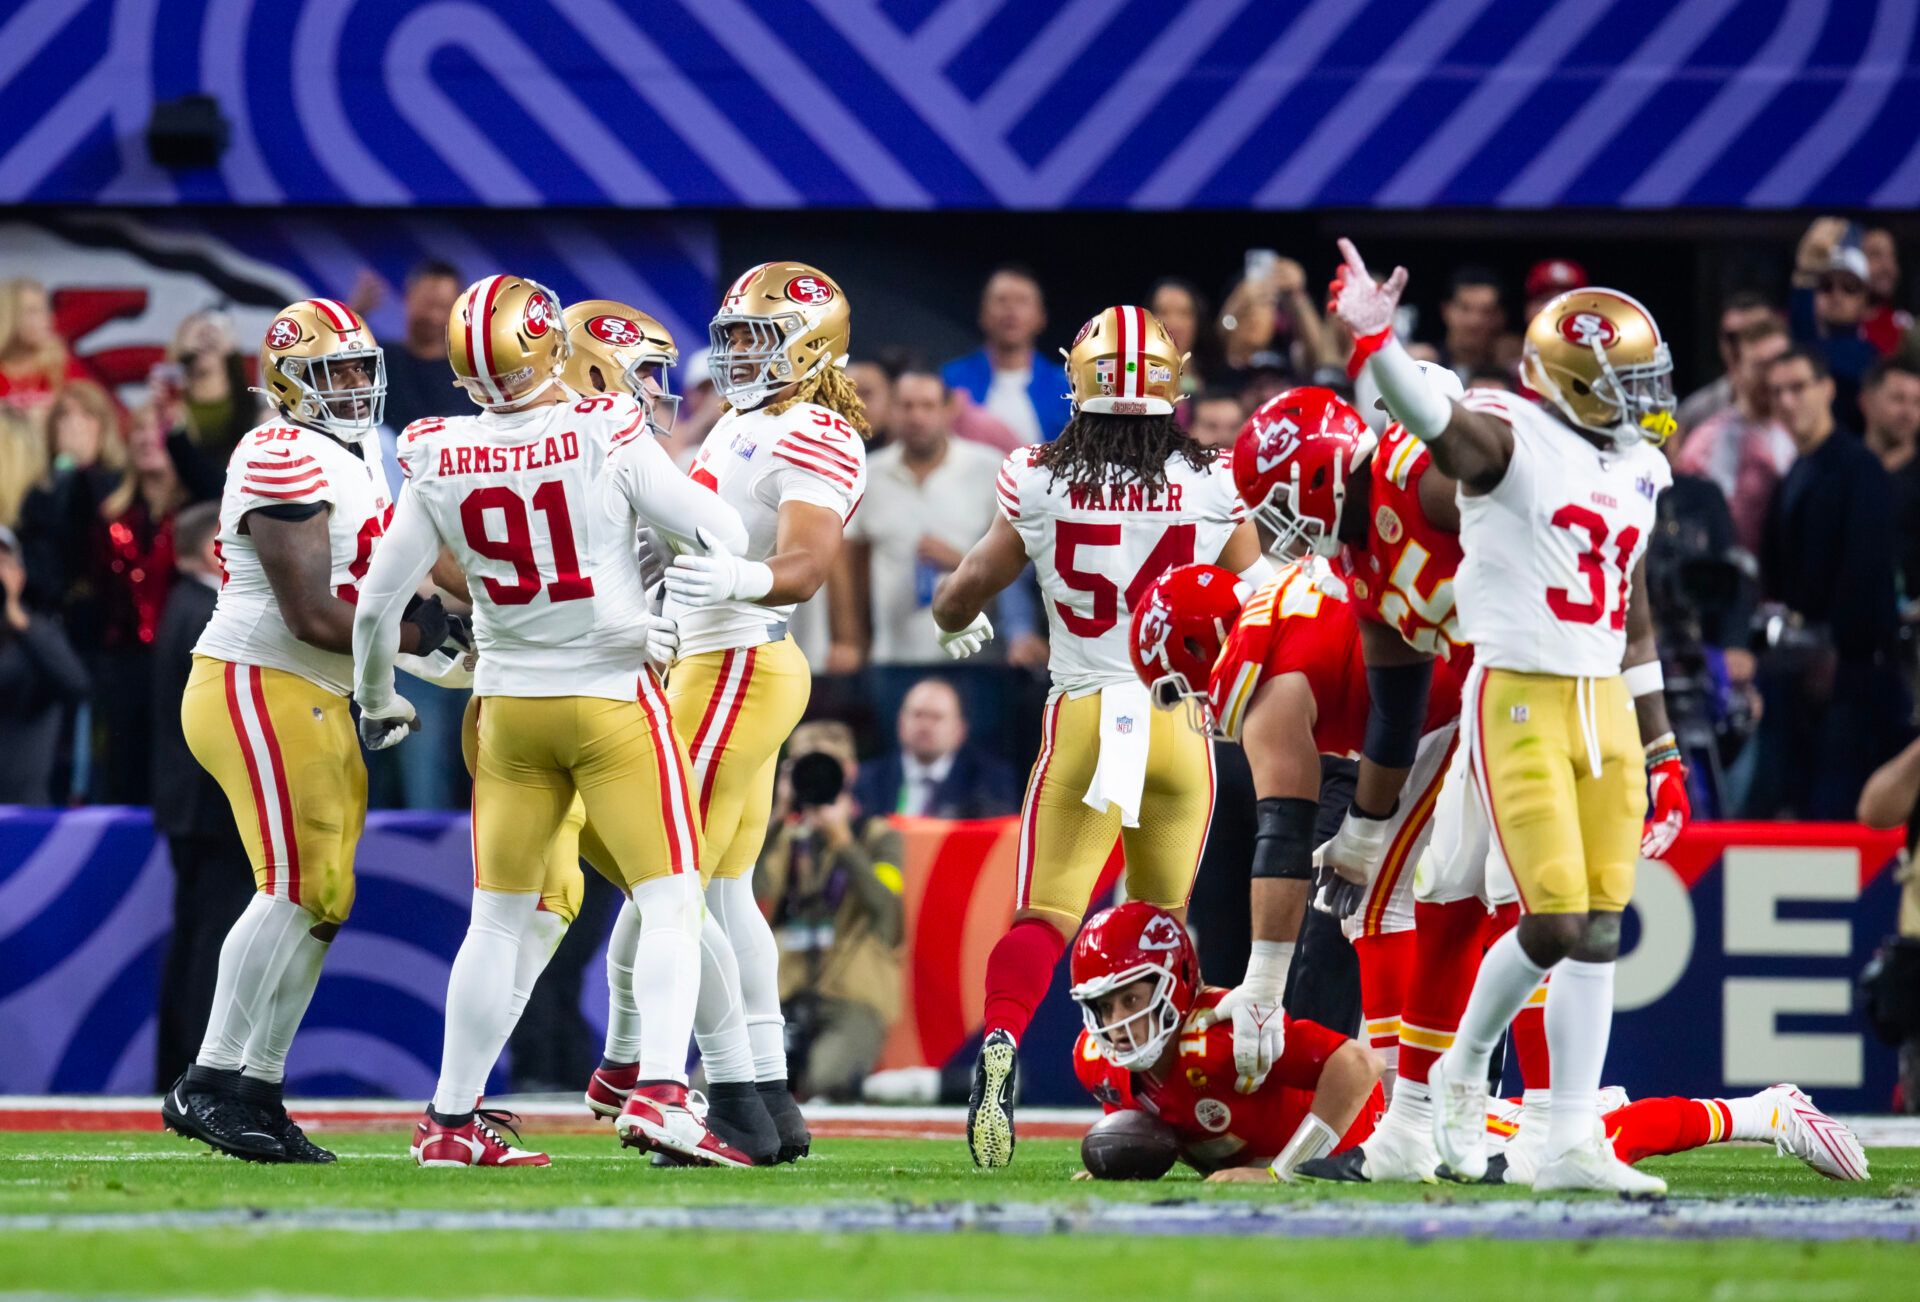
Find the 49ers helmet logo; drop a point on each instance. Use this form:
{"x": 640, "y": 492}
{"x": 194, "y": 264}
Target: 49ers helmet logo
{"x": 614, "y": 330}
{"x": 283, "y": 333}
{"x": 810, "y": 290}
{"x": 539, "y": 315}
{"x": 1583, "y": 328}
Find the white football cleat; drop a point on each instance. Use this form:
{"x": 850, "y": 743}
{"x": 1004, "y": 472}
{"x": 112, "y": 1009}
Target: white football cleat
{"x": 1400, "y": 1153}
{"x": 659, "y": 1117}
{"x": 1592, "y": 1166}
{"x": 1805, "y": 1132}
{"x": 1459, "y": 1122}
{"x": 1526, "y": 1152}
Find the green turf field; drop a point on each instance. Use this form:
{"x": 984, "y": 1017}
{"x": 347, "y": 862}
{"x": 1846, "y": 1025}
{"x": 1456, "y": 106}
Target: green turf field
{"x": 85, "y": 1175}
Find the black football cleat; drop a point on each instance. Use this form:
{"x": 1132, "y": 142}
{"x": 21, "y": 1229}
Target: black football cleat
{"x": 795, "y": 1139}
{"x": 1496, "y": 1171}
{"x": 1349, "y": 1166}
{"x": 737, "y": 1113}
{"x": 996, "y": 1077}
{"x": 267, "y": 1100}
{"x": 204, "y": 1105}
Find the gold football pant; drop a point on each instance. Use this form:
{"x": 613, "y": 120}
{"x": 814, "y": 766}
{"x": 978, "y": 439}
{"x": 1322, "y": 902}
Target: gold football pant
{"x": 561, "y": 882}
{"x": 734, "y": 710}
{"x": 1064, "y": 842}
{"x": 1563, "y": 781}
{"x": 285, "y": 753}
{"x": 619, "y": 759}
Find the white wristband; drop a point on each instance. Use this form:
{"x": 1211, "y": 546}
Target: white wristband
{"x": 1422, "y": 410}
{"x": 756, "y": 580}
{"x": 1645, "y": 679}
{"x": 1314, "y": 1138}
{"x": 1267, "y": 967}
{"x": 1257, "y": 575}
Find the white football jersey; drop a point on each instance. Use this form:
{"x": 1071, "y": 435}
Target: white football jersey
{"x": 1097, "y": 548}
{"x": 542, "y": 509}
{"x": 283, "y": 464}
{"x": 1549, "y": 553}
{"x": 756, "y": 461}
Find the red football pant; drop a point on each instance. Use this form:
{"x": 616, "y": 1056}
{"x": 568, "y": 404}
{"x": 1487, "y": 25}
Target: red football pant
{"x": 1448, "y": 942}
{"x": 1386, "y": 963}
{"x": 1018, "y": 973}
{"x": 1652, "y": 1127}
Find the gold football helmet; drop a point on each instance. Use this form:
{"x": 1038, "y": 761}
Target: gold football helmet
{"x": 506, "y": 341}
{"x": 1597, "y": 355}
{"x": 613, "y": 346}
{"x": 321, "y": 367}
{"x": 1123, "y": 363}
{"x": 779, "y": 323}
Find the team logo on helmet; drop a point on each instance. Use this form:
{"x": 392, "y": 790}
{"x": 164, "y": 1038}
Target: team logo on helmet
{"x": 1161, "y": 933}
{"x": 614, "y": 330}
{"x": 1212, "y": 1115}
{"x": 283, "y": 333}
{"x": 1388, "y": 523}
{"x": 1085, "y": 330}
{"x": 539, "y": 315}
{"x": 1583, "y": 328}
{"x": 810, "y": 290}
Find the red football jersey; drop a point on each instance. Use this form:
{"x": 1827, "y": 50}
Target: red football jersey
{"x": 1291, "y": 626}
{"x": 1217, "y": 1125}
{"x": 1403, "y": 576}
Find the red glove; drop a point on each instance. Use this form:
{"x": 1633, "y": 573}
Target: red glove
{"x": 1668, "y": 807}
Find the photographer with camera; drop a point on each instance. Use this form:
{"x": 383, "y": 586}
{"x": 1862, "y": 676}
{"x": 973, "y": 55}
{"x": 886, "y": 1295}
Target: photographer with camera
{"x": 830, "y": 879}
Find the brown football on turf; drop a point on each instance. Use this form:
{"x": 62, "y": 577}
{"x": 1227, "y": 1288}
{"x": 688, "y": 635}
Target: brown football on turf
{"x": 1129, "y": 1146}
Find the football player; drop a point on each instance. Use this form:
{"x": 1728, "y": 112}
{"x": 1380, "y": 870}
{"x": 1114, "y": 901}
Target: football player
{"x": 1121, "y": 497}
{"x": 265, "y": 710}
{"x": 790, "y": 456}
{"x": 1556, "y": 504}
{"x": 540, "y": 499}
{"x": 1137, "y": 981}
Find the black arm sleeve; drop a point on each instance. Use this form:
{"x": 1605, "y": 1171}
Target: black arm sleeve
{"x": 1397, "y": 710}
{"x": 1283, "y": 837}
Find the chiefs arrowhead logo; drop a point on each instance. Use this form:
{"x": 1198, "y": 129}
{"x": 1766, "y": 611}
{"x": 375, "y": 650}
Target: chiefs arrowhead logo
{"x": 1274, "y": 442}
{"x": 617, "y": 331}
{"x": 810, "y": 290}
{"x": 283, "y": 333}
{"x": 1163, "y": 933}
{"x": 539, "y": 317}
{"x": 1583, "y": 328}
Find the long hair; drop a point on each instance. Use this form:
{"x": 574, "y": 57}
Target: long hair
{"x": 172, "y": 494}
{"x": 23, "y": 461}
{"x": 95, "y": 402}
{"x": 1096, "y": 448}
{"x": 828, "y": 387}
{"x": 50, "y": 358}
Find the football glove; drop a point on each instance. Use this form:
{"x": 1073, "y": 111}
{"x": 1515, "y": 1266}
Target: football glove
{"x": 1345, "y": 864}
{"x": 663, "y": 642}
{"x": 435, "y": 625}
{"x": 1365, "y": 308}
{"x": 1669, "y": 807}
{"x": 716, "y": 576}
{"x": 968, "y": 640}
{"x": 387, "y": 726}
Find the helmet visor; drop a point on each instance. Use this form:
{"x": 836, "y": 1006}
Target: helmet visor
{"x": 646, "y": 379}
{"x": 343, "y": 393}
{"x": 748, "y": 360}
{"x": 1131, "y": 1040}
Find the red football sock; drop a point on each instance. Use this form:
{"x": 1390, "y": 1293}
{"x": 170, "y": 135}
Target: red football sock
{"x": 1018, "y": 973}
{"x": 1530, "y": 1040}
{"x": 1386, "y": 961}
{"x": 1447, "y": 948}
{"x": 1650, "y": 1127}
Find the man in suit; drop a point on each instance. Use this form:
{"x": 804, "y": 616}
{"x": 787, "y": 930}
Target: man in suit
{"x": 212, "y": 878}
{"x": 933, "y": 772}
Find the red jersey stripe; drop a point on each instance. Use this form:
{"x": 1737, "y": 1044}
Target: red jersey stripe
{"x": 824, "y": 472}
{"x": 825, "y": 451}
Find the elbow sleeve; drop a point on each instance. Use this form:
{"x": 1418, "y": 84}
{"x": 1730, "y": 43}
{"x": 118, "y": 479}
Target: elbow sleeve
{"x": 1283, "y": 837}
{"x": 1397, "y": 713}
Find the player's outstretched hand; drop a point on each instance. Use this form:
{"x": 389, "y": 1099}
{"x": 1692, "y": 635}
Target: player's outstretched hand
{"x": 388, "y": 726}
{"x": 968, "y": 640}
{"x": 1259, "y": 1033}
{"x": 1242, "y": 1175}
{"x": 1346, "y": 864}
{"x": 1362, "y": 306}
{"x": 715, "y": 574}
{"x": 1669, "y": 810}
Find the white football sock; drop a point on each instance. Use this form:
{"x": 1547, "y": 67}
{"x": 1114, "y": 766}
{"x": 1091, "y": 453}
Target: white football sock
{"x": 1534, "y": 1105}
{"x": 252, "y": 957}
{"x": 666, "y": 972}
{"x": 719, "y": 1020}
{"x": 266, "y": 1053}
{"x": 1752, "y": 1116}
{"x": 1412, "y": 1105}
{"x": 1579, "y": 1024}
{"x": 731, "y": 899}
{"x": 1507, "y": 977}
{"x": 480, "y": 997}
{"x": 623, "y": 1017}
{"x": 545, "y": 931}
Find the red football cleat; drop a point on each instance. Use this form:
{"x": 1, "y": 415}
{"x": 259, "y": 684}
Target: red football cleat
{"x": 477, "y": 1143}
{"x": 657, "y": 1117}
{"x": 608, "y": 1087}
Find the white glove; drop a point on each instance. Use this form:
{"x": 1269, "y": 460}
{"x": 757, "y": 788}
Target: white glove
{"x": 716, "y": 576}
{"x": 663, "y": 642}
{"x": 1364, "y": 307}
{"x": 388, "y": 725}
{"x": 968, "y": 640}
{"x": 1259, "y": 1025}
{"x": 1346, "y": 864}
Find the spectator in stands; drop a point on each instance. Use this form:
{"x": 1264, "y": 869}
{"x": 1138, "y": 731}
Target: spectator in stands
{"x": 1008, "y": 376}
{"x": 212, "y": 880}
{"x": 23, "y": 461}
{"x": 40, "y": 678}
{"x": 218, "y": 410}
{"x": 1743, "y": 449}
{"x": 933, "y": 772}
{"x": 1890, "y": 407}
{"x": 34, "y": 360}
{"x": 1268, "y": 377}
{"x": 874, "y": 383}
{"x": 1216, "y": 419}
{"x": 419, "y": 382}
{"x": 1828, "y": 307}
{"x": 830, "y": 879}
{"x": 1475, "y": 321}
{"x": 1886, "y": 322}
{"x": 1491, "y": 378}
{"x": 1836, "y": 705}
{"x": 1739, "y": 311}
{"x": 1183, "y": 310}
{"x": 1271, "y": 320}
{"x": 84, "y": 459}
{"x": 1550, "y": 277}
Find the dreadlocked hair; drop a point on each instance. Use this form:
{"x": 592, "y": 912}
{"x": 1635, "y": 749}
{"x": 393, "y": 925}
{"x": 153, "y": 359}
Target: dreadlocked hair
{"x": 829, "y": 387}
{"x": 1097, "y": 448}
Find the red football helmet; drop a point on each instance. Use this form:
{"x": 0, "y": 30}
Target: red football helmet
{"x": 1130, "y": 942}
{"x": 1291, "y": 464}
{"x": 1178, "y": 629}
